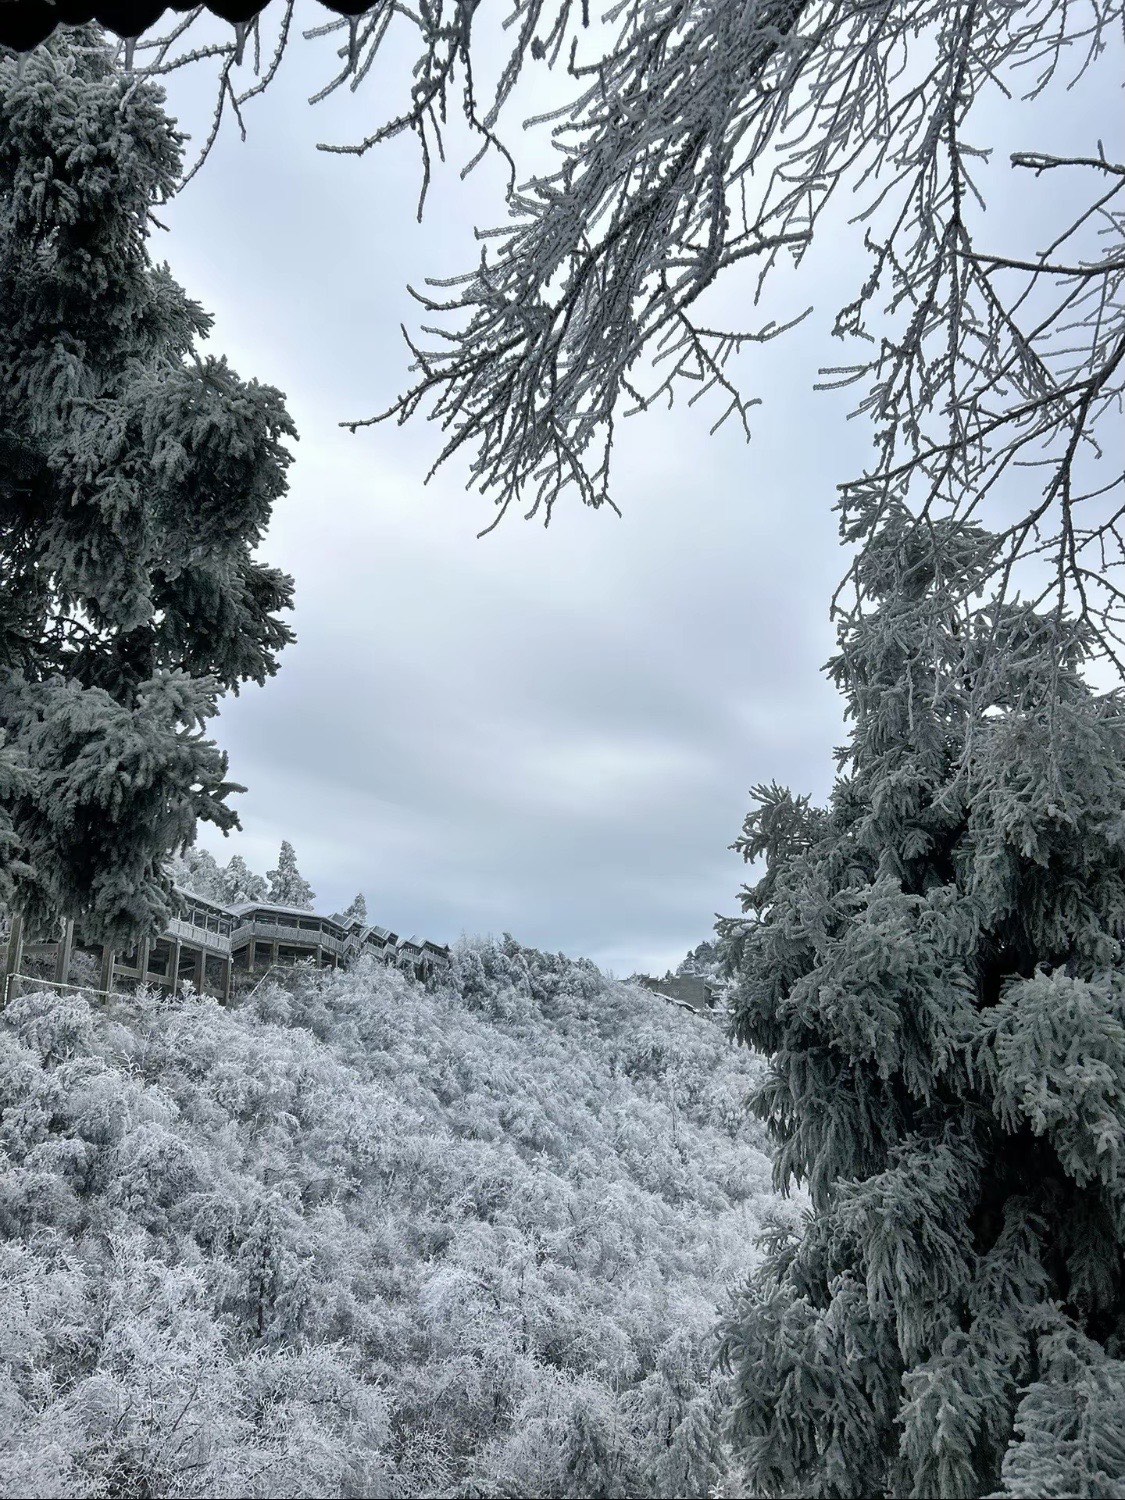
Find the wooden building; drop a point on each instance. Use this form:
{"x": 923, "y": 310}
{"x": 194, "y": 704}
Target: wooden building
{"x": 688, "y": 991}
{"x": 208, "y": 943}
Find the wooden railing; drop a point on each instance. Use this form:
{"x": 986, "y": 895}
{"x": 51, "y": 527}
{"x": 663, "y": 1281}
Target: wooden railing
{"x": 200, "y": 937}
{"x": 346, "y": 945}
{"x": 275, "y": 932}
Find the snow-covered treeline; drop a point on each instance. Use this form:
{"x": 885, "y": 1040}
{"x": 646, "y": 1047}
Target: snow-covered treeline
{"x": 359, "y": 1237}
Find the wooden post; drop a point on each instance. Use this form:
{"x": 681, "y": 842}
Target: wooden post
{"x": 273, "y": 955}
{"x": 14, "y": 956}
{"x": 62, "y": 956}
{"x": 174, "y": 966}
{"x": 142, "y": 958}
{"x": 319, "y": 956}
{"x": 228, "y": 971}
{"x": 107, "y": 968}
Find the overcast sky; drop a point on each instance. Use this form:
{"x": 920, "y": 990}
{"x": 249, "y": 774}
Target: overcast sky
{"x": 550, "y": 732}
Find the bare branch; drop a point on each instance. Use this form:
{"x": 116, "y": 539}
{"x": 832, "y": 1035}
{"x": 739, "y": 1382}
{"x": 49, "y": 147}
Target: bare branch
{"x": 712, "y": 133}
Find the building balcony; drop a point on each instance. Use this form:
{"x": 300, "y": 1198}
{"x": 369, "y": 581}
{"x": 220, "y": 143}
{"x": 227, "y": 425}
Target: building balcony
{"x": 218, "y": 943}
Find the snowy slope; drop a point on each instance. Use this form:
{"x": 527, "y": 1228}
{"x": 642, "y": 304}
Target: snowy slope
{"x": 361, "y": 1238}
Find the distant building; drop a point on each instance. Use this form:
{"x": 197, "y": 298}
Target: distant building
{"x": 209, "y": 942}
{"x": 687, "y": 990}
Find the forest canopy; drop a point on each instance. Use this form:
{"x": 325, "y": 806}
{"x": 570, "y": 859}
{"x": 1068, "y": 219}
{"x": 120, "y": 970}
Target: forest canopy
{"x": 363, "y": 1237}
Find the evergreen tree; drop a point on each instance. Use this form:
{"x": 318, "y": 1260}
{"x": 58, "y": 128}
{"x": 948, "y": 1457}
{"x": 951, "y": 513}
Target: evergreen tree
{"x": 357, "y": 911}
{"x": 197, "y": 870}
{"x": 934, "y": 965}
{"x": 13, "y": 779}
{"x": 136, "y": 479}
{"x": 702, "y": 962}
{"x": 239, "y": 883}
{"x": 288, "y": 887}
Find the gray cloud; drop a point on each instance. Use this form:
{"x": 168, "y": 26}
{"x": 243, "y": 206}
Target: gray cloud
{"x": 549, "y": 732}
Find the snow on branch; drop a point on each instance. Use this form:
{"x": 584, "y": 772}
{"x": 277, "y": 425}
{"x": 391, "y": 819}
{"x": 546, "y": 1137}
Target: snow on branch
{"x": 707, "y": 133}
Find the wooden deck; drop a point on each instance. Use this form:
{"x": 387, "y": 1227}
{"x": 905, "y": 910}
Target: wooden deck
{"x": 209, "y": 942}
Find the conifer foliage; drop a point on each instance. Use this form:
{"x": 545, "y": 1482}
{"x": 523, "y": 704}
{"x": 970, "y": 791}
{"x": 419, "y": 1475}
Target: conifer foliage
{"x": 197, "y": 870}
{"x": 136, "y": 479}
{"x": 357, "y": 910}
{"x": 240, "y": 883}
{"x": 934, "y": 964}
{"x": 288, "y": 887}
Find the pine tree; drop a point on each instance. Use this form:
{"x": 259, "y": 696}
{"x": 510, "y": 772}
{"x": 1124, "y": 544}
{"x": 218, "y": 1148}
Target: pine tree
{"x": 357, "y": 911}
{"x": 240, "y": 884}
{"x": 136, "y": 479}
{"x": 197, "y": 870}
{"x": 14, "y": 779}
{"x": 934, "y": 965}
{"x": 288, "y": 887}
{"x": 702, "y": 962}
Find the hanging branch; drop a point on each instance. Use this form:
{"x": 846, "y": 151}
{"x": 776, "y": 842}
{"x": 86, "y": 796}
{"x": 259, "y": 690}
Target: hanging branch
{"x": 709, "y": 133}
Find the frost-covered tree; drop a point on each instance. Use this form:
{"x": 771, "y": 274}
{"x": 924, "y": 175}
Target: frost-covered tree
{"x": 14, "y": 779}
{"x": 358, "y": 1237}
{"x": 357, "y": 910}
{"x": 238, "y": 883}
{"x": 703, "y": 962}
{"x": 197, "y": 870}
{"x": 288, "y": 887}
{"x": 136, "y": 479}
{"x": 705, "y": 137}
{"x": 934, "y": 965}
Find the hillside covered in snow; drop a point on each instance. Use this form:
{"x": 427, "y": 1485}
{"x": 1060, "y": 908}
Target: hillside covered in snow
{"x": 361, "y": 1237}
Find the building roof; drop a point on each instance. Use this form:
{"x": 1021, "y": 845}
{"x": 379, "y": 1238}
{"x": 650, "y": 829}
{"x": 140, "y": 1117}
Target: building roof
{"x": 209, "y": 901}
{"x": 246, "y": 909}
{"x": 286, "y": 911}
{"x": 688, "y": 990}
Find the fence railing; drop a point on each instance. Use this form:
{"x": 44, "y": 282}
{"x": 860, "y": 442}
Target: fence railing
{"x": 224, "y": 944}
{"x": 201, "y": 937}
{"x": 275, "y": 932}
